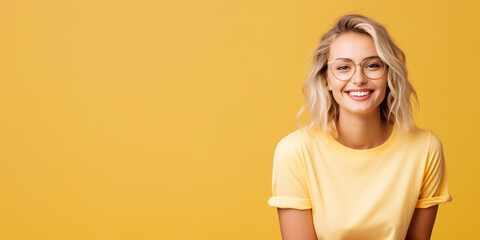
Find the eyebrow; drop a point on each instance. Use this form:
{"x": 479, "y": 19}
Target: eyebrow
{"x": 352, "y": 60}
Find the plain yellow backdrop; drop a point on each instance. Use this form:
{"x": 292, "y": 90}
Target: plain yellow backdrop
{"x": 158, "y": 119}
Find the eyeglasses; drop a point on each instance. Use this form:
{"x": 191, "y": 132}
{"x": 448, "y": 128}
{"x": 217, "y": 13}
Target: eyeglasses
{"x": 344, "y": 68}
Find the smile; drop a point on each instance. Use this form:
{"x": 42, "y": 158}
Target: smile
{"x": 360, "y": 95}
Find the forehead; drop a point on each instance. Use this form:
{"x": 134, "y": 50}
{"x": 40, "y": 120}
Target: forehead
{"x": 355, "y": 46}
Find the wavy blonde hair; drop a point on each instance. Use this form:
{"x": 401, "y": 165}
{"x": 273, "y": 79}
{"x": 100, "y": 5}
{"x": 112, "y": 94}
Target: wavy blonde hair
{"x": 324, "y": 110}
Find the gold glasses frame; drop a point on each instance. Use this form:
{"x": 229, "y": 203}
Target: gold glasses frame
{"x": 357, "y": 64}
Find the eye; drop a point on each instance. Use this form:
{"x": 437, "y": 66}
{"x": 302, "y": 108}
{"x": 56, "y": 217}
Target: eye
{"x": 342, "y": 68}
{"x": 373, "y": 65}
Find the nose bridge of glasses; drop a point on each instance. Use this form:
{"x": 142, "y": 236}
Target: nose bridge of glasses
{"x": 362, "y": 73}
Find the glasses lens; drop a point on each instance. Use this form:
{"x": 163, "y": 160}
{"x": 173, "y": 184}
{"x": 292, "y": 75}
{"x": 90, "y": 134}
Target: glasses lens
{"x": 374, "y": 68}
{"x": 343, "y": 69}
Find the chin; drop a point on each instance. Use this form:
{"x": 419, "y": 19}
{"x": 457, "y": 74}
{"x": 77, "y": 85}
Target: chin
{"x": 362, "y": 111}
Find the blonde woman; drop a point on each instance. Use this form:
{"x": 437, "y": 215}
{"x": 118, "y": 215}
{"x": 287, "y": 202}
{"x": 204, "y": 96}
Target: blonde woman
{"x": 359, "y": 168}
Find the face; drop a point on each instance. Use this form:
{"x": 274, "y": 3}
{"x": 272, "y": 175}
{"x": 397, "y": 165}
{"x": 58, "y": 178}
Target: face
{"x": 347, "y": 94}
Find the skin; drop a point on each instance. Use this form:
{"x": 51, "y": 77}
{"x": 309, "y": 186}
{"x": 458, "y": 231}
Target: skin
{"x": 359, "y": 126}
{"x": 296, "y": 224}
{"x": 421, "y": 225}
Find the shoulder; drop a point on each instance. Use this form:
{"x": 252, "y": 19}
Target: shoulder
{"x": 288, "y": 142}
{"x": 425, "y": 137}
{"x": 435, "y": 143}
{"x": 295, "y": 139}
{"x": 292, "y": 136}
{"x": 293, "y": 144}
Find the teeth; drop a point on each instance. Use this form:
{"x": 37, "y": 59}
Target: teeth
{"x": 359, "y": 94}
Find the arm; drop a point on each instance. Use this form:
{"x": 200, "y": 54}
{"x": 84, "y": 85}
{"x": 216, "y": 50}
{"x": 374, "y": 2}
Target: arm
{"x": 421, "y": 224}
{"x": 296, "y": 224}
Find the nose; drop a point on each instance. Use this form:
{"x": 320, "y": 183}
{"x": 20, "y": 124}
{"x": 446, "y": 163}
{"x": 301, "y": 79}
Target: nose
{"x": 358, "y": 77}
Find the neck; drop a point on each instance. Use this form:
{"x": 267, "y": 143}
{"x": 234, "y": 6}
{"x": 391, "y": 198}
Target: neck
{"x": 362, "y": 131}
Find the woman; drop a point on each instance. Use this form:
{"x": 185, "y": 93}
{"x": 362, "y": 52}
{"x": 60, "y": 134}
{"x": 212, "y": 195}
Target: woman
{"x": 360, "y": 168}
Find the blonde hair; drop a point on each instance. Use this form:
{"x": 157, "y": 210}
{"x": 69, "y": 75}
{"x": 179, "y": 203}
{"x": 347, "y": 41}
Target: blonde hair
{"x": 324, "y": 110}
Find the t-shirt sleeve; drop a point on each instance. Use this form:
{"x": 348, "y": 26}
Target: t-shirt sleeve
{"x": 435, "y": 183}
{"x": 289, "y": 184}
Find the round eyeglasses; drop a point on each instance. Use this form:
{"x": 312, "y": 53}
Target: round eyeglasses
{"x": 344, "y": 68}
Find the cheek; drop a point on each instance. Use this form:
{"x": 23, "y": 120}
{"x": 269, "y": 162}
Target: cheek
{"x": 332, "y": 82}
{"x": 383, "y": 89}
{"x": 332, "y": 85}
{"x": 336, "y": 93}
{"x": 336, "y": 89}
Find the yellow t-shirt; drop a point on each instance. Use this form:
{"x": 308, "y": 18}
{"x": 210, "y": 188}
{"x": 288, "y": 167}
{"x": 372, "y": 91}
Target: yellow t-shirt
{"x": 360, "y": 194}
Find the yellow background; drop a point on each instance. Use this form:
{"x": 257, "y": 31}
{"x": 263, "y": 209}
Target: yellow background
{"x": 158, "y": 119}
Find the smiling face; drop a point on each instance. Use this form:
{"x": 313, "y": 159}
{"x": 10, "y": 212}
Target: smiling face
{"x": 350, "y": 94}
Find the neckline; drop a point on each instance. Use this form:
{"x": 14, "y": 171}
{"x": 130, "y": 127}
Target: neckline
{"x": 366, "y": 153}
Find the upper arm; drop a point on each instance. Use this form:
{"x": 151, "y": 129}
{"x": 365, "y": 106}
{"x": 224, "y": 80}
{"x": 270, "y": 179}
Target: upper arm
{"x": 421, "y": 225}
{"x": 296, "y": 224}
